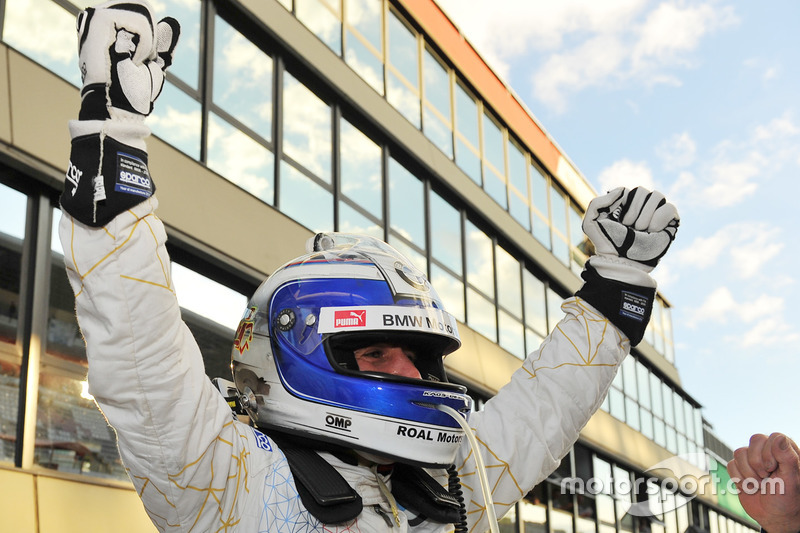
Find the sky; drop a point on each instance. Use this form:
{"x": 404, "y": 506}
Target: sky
{"x": 698, "y": 99}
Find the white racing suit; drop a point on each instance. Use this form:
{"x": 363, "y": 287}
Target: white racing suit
{"x": 198, "y": 469}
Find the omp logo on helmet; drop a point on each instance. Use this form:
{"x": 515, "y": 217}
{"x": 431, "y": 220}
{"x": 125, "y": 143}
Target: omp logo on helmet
{"x": 350, "y": 318}
{"x": 244, "y": 333}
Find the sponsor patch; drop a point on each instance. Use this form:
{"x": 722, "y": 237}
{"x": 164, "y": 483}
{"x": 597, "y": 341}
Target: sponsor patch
{"x": 339, "y": 422}
{"x": 351, "y": 318}
{"x": 633, "y": 305}
{"x": 262, "y": 441}
{"x": 244, "y": 333}
{"x": 132, "y": 176}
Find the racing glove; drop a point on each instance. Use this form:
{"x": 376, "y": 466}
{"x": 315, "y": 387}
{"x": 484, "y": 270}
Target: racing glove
{"x": 123, "y": 56}
{"x": 631, "y": 231}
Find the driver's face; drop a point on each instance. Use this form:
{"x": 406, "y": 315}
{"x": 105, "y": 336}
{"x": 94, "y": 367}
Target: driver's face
{"x": 387, "y": 358}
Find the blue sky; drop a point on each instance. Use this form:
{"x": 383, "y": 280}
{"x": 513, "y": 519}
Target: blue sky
{"x": 698, "y": 99}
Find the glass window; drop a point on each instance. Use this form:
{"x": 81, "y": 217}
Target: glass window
{"x": 580, "y": 244}
{"x": 240, "y": 159}
{"x": 563, "y": 507}
{"x": 481, "y": 315}
{"x": 632, "y": 413}
{"x": 512, "y": 334}
{"x": 177, "y": 119}
{"x": 688, "y": 417}
{"x": 406, "y": 205}
{"x": 669, "y": 413}
{"x": 402, "y": 83}
{"x": 541, "y": 207}
{"x": 535, "y": 308}
{"x": 450, "y": 290}
{"x": 361, "y": 176}
{"x": 468, "y": 139}
{"x": 306, "y": 128}
{"x": 212, "y": 312}
{"x": 554, "y": 312}
{"x": 518, "y": 204}
{"x": 305, "y": 200}
{"x": 186, "y": 63}
{"x": 623, "y": 497}
{"x": 509, "y": 282}
{"x": 446, "y": 234}
{"x": 558, "y": 204}
{"x": 480, "y": 270}
{"x": 437, "y": 122}
{"x": 655, "y": 396}
{"x": 42, "y": 30}
{"x": 323, "y": 19}
{"x": 242, "y": 79}
{"x": 643, "y": 381}
{"x": 353, "y": 221}
{"x": 680, "y": 423}
{"x": 533, "y": 510}
{"x": 364, "y": 43}
{"x": 494, "y": 181}
{"x": 13, "y": 205}
{"x": 629, "y": 370}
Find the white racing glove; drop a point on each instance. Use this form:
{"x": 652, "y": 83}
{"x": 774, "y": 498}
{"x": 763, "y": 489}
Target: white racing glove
{"x": 123, "y": 56}
{"x": 631, "y": 231}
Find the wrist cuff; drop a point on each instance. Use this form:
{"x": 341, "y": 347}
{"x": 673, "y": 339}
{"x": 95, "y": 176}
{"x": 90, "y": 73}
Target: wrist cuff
{"x": 105, "y": 178}
{"x": 626, "y": 306}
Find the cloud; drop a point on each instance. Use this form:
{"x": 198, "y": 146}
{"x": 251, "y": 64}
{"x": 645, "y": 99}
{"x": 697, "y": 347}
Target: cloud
{"x": 746, "y": 246}
{"x": 585, "y": 43}
{"x": 758, "y": 322}
{"x": 626, "y": 173}
{"x": 678, "y": 151}
{"x": 736, "y": 168}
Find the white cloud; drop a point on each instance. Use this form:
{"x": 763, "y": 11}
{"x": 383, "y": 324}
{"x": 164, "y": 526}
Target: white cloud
{"x": 587, "y": 43}
{"x": 626, "y": 173}
{"x": 746, "y": 246}
{"x": 678, "y": 151}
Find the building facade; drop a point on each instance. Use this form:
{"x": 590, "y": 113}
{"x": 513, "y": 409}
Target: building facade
{"x": 280, "y": 118}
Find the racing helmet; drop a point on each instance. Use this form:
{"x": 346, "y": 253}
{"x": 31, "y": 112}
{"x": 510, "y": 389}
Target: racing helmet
{"x": 295, "y": 370}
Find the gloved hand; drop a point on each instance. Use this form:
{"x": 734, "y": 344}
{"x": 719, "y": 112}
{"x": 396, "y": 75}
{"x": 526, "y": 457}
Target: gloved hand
{"x": 123, "y": 59}
{"x": 123, "y": 55}
{"x": 631, "y": 231}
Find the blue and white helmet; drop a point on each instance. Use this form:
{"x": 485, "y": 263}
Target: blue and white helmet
{"x": 293, "y": 361}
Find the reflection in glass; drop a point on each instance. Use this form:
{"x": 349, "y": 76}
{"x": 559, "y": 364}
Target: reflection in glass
{"x": 511, "y": 334}
{"x": 364, "y": 61}
{"x": 445, "y": 223}
{"x": 509, "y": 283}
{"x": 450, "y": 289}
{"x": 518, "y": 204}
{"x": 361, "y": 169}
{"x": 406, "y": 204}
{"x": 534, "y": 301}
{"x": 352, "y": 221}
{"x": 12, "y": 233}
{"x": 580, "y": 245}
{"x": 39, "y": 29}
{"x": 306, "y": 128}
{"x": 186, "y": 64}
{"x": 242, "y": 79}
{"x": 240, "y": 159}
{"x": 494, "y": 160}
{"x": 323, "y": 19}
{"x": 554, "y": 312}
{"x": 304, "y": 200}
{"x": 468, "y": 139}
{"x": 176, "y": 119}
{"x": 363, "y": 45}
{"x": 480, "y": 261}
{"x": 533, "y": 511}
{"x": 402, "y": 84}
{"x": 558, "y": 204}
{"x": 437, "y": 123}
{"x": 541, "y": 209}
{"x": 482, "y": 315}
